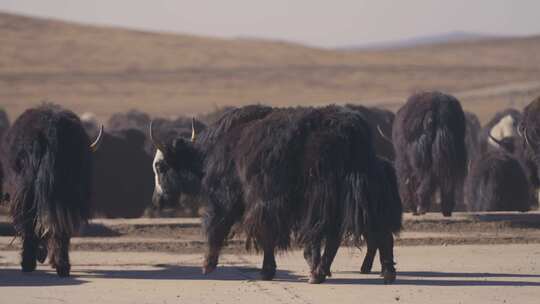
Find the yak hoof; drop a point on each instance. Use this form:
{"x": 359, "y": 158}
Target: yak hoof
{"x": 389, "y": 274}
{"x": 28, "y": 266}
{"x": 317, "y": 277}
{"x": 208, "y": 267}
{"x": 268, "y": 274}
{"x": 63, "y": 270}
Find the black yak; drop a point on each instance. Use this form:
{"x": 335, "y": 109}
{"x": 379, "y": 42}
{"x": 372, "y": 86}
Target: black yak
{"x": 472, "y": 135}
{"x": 497, "y": 181}
{"x": 428, "y": 136}
{"x": 472, "y": 145}
{"x": 529, "y": 131}
{"x": 123, "y": 179}
{"x": 307, "y": 172}
{"x": 48, "y": 166}
{"x": 380, "y": 121}
{"x": 4, "y": 125}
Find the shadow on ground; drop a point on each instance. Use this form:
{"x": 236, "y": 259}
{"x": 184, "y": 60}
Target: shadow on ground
{"x": 426, "y": 278}
{"x": 14, "y": 277}
{"x": 175, "y": 272}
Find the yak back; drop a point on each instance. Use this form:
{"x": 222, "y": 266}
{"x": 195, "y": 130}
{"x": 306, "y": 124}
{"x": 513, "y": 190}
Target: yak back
{"x": 497, "y": 182}
{"x": 382, "y": 119}
{"x": 48, "y": 162}
{"x": 433, "y": 123}
{"x": 123, "y": 177}
{"x": 297, "y": 168}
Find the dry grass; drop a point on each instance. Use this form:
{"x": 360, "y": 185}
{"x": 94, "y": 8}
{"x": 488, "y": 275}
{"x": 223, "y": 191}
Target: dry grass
{"x": 104, "y": 70}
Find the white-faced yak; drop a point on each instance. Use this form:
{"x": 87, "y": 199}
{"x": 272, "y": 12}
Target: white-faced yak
{"x": 307, "y": 173}
{"x": 48, "y": 166}
{"x": 428, "y": 136}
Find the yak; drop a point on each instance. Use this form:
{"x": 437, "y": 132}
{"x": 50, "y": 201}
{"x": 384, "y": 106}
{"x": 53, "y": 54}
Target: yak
{"x": 529, "y": 131}
{"x": 275, "y": 173}
{"x": 4, "y": 125}
{"x": 48, "y": 166}
{"x": 503, "y": 124}
{"x": 472, "y": 135}
{"x": 428, "y": 136}
{"x": 497, "y": 181}
{"x": 380, "y": 121}
{"x": 122, "y": 183}
{"x": 122, "y": 175}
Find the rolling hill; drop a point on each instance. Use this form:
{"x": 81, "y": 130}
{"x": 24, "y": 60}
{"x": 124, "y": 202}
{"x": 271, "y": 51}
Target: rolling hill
{"x": 105, "y": 69}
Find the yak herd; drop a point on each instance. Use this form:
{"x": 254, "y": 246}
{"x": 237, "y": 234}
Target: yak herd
{"x": 312, "y": 176}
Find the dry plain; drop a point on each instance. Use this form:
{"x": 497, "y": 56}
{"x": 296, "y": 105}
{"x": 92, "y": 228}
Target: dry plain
{"x": 467, "y": 259}
{"x": 105, "y": 70}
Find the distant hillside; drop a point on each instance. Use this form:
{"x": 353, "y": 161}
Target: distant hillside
{"x": 107, "y": 69}
{"x": 456, "y": 36}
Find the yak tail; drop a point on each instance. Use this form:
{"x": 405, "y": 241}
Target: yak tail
{"x": 55, "y": 214}
{"x": 356, "y": 211}
{"x": 267, "y": 224}
{"x": 38, "y": 202}
{"x": 449, "y": 155}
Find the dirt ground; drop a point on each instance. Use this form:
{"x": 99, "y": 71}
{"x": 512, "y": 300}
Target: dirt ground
{"x": 426, "y": 274}
{"x": 468, "y": 258}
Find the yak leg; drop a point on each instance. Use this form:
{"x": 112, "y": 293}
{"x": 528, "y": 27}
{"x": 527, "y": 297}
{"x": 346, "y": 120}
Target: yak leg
{"x": 218, "y": 230}
{"x": 448, "y": 197}
{"x": 59, "y": 248}
{"x": 308, "y": 256}
{"x": 425, "y": 195}
{"x": 29, "y": 251}
{"x": 315, "y": 249}
{"x": 372, "y": 246}
{"x": 386, "y": 253}
{"x": 330, "y": 250}
{"x": 268, "y": 270}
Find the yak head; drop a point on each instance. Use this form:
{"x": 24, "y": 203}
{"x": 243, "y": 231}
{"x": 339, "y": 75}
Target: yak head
{"x": 508, "y": 144}
{"x": 177, "y": 169}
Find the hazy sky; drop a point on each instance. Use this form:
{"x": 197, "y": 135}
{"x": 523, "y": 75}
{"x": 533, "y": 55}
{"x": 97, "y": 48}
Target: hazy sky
{"x": 316, "y": 22}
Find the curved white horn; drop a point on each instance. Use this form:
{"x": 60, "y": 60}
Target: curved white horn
{"x": 193, "y": 135}
{"x": 156, "y": 143}
{"x": 95, "y": 145}
{"x": 383, "y": 135}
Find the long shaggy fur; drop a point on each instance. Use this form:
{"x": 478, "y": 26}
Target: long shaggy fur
{"x": 48, "y": 164}
{"x": 311, "y": 173}
{"x": 4, "y": 126}
{"x": 428, "y": 136}
{"x": 291, "y": 165}
{"x": 497, "y": 182}
{"x": 379, "y": 121}
{"x": 530, "y": 140}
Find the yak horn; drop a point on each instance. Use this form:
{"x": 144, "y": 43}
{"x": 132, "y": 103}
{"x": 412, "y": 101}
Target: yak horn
{"x": 498, "y": 142}
{"x": 193, "y": 135}
{"x": 518, "y": 129}
{"x": 95, "y": 145}
{"x": 383, "y": 135}
{"x": 526, "y": 136}
{"x": 156, "y": 143}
